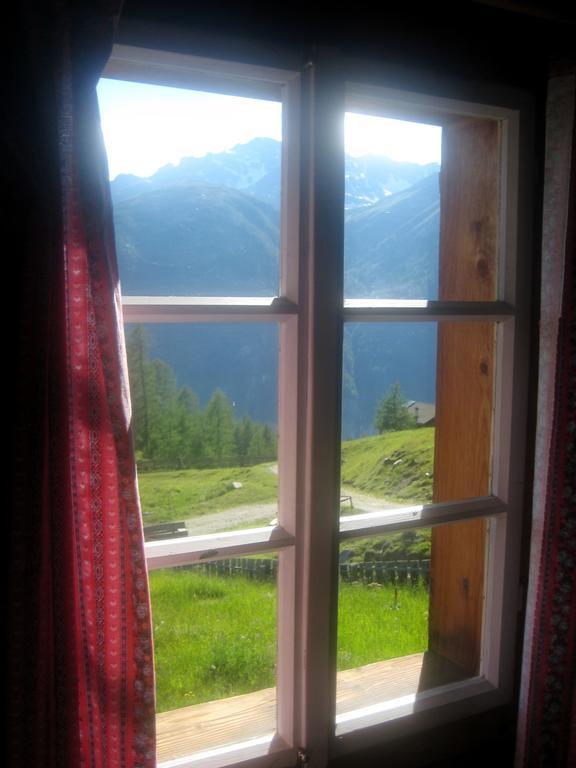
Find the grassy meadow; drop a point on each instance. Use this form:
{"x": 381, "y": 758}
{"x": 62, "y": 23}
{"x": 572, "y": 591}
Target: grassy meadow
{"x": 216, "y": 637}
{"x": 213, "y": 637}
{"x": 180, "y": 494}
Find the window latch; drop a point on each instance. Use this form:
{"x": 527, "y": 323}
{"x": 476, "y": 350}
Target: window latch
{"x": 302, "y": 758}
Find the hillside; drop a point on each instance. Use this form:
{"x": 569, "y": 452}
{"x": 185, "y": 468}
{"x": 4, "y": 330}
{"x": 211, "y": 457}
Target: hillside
{"x": 391, "y": 248}
{"x": 197, "y": 239}
{"x": 395, "y": 466}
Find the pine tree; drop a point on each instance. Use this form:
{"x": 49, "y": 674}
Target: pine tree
{"x": 243, "y": 432}
{"x": 163, "y": 413}
{"x": 391, "y": 413}
{"x": 189, "y": 428}
{"x": 219, "y": 429}
{"x": 137, "y": 347}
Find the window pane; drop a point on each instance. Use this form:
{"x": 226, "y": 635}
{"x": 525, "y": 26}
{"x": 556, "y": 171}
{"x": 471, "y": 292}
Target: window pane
{"x": 388, "y": 416}
{"x": 389, "y": 619}
{"x": 196, "y": 190}
{"x": 204, "y": 405}
{"x": 412, "y": 232}
{"x": 392, "y": 199}
{"x": 215, "y": 653}
{"x": 417, "y": 413}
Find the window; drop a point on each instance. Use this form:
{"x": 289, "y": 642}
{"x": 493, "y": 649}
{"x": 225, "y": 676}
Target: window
{"x": 332, "y": 302}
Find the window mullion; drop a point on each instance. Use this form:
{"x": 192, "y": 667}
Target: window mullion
{"x": 320, "y": 339}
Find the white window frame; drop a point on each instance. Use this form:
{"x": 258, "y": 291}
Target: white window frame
{"x": 311, "y": 313}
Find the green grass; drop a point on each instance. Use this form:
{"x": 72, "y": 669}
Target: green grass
{"x": 213, "y": 636}
{"x": 396, "y": 466}
{"x": 216, "y": 637}
{"x": 183, "y": 494}
{"x": 403, "y": 545}
{"x": 376, "y": 623}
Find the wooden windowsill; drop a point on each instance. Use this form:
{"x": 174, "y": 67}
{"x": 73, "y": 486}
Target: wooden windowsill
{"x": 202, "y": 727}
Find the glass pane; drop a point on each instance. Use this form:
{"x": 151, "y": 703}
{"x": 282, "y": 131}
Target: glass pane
{"x": 388, "y": 415}
{"x": 392, "y": 199}
{"x": 215, "y": 654}
{"x": 204, "y": 410}
{"x": 196, "y": 190}
{"x": 399, "y": 622}
{"x": 383, "y": 597}
{"x": 417, "y": 413}
{"x": 406, "y": 235}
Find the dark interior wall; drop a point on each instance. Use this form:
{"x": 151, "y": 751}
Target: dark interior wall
{"x": 467, "y": 38}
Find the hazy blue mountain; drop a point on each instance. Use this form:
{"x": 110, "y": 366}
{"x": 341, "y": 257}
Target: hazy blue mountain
{"x": 391, "y": 248}
{"x": 197, "y": 238}
{"x": 252, "y": 168}
{"x": 210, "y": 226}
{"x": 372, "y": 179}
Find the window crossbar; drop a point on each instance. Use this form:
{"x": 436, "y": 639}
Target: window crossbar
{"x": 419, "y": 516}
{"x": 191, "y": 550}
{"x": 416, "y": 310}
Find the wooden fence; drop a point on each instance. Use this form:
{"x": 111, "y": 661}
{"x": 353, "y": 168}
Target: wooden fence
{"x": 387, "y": 572}
{"x": 381, "y": 572}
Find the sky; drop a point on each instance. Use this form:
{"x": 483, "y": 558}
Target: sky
{"x": 148, "y": 126}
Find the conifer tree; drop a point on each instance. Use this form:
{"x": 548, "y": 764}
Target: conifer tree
{"x": 219, "y": 429}
{"x": 391, "y": 413}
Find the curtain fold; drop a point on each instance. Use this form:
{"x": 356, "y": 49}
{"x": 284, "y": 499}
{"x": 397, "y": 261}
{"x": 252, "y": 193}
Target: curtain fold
{"x": 547, "y": 707}
{"x": 81, "y": 681}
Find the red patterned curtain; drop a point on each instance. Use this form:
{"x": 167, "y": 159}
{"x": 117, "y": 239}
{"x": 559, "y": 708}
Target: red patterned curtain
{"x": 547, "y": 714}
{"x": 81, "y": 687}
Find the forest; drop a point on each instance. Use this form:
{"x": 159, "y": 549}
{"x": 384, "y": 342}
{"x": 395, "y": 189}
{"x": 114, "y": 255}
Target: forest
{"x": 171, "y": 428}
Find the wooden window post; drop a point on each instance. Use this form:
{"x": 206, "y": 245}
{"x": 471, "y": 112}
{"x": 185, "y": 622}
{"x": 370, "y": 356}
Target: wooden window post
{"x": 465, "y": 383}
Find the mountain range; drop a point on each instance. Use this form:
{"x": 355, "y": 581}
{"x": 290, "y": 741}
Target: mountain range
{"x": 211, "y": 226}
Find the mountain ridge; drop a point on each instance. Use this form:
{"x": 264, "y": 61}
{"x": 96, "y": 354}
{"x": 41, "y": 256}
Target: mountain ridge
{"x": 254, "y": 167}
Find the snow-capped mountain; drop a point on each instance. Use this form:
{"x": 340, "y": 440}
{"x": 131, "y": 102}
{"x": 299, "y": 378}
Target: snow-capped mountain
{"x": 254, "y": 168}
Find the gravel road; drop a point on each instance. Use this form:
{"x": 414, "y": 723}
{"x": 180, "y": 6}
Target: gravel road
{"x": 255, "y": 514}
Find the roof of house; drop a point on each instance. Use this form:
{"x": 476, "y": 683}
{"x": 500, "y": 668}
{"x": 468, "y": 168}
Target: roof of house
{"x": 425, "y": 412}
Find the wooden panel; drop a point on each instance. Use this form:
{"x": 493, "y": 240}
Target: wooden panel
{"x": 469, "y": 210}
{"x": 464, "y": 403}
{"x": 465, "y": 383}
{"x": 456, "y": 593}
{"x": 201, "y": 727}
{"x": 462, "y": 469}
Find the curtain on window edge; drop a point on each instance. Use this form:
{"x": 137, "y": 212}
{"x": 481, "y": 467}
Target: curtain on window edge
{"x": 547, "y": 706}
{"x": 81, "y": 685}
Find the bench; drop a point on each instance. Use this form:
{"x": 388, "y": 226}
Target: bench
{"x": 161, "y": 531}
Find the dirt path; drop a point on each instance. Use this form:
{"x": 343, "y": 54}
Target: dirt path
{"x": 262, "y": 514}
{"x": 230, "y": 519}
{"x": 362, "y": 502}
